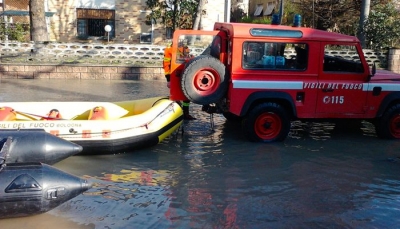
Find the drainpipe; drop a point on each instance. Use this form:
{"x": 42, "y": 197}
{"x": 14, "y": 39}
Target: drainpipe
{"x": 228, "y": 11}
{"x": 280, "y": 12}
{"x": 363, "y": 16}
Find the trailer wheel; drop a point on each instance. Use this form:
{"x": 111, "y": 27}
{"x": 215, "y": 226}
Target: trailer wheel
{"x": 204, "y": 80}
{"x": 389, "y": 125}
{"x": 267, "y": 122}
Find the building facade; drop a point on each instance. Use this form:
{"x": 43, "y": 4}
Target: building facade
{"x": 85, "y": 20}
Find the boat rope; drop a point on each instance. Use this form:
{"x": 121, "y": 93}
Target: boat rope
{"x": 170, "y": 106}
{"x": 167, "y": 98}
{"x": 212, "y": 124}
{"x": 29, "y": 115}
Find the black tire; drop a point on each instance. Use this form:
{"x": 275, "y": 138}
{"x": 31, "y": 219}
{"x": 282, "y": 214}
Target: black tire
{"x": 204, "y": 80}
{"x": 232, "y": 117}
{"x": 267, "y": 122}
{"x": 389, "y": 125}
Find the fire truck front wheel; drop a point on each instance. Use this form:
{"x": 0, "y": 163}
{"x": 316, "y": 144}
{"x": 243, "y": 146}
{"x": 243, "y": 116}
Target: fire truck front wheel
{"x": 267, "y": 122}
{"x": 204, "y": 80}
{"x": 389, "y": 125}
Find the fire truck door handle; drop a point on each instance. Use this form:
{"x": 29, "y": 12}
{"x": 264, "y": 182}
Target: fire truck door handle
{"x": 327, "y": 90}
{"x": 376, "y": 91}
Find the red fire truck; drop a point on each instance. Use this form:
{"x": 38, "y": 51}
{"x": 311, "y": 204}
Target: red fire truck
{"x": 268, "y": 75}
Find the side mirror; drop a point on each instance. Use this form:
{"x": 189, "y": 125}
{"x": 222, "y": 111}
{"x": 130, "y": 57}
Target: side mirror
{"x": 373, "y": 69}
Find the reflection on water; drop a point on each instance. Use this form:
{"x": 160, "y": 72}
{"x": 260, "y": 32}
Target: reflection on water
{"x": 315, "y": 131}
{"x": 331, "y": 174}
{"x": 116, "y": 204}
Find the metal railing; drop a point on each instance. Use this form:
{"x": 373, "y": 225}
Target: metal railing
{"x": 82, "y": 53}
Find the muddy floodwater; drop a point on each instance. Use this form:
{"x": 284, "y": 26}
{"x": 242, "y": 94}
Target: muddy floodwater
{"x": 324, "y": 175}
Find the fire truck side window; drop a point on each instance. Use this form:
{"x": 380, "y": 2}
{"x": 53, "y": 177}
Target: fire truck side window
{"x": 342, "y": 58}
{"x": 275, "y": 56}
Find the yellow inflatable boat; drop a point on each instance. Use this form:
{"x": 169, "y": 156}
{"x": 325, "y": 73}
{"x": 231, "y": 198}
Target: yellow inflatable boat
{"x": 99, "y": 127}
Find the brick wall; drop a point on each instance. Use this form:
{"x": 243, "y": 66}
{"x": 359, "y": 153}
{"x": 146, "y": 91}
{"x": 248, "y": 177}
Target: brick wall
{"x": 130, "y": 22}
{"x": 21, "y": 71}
{"x": 63, "y": 22}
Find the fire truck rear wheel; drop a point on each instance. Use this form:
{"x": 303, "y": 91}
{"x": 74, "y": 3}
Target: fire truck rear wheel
{"x": 389, "y": 125}
{"x": 267, "y": 122}
{"x": 204, "y": 80}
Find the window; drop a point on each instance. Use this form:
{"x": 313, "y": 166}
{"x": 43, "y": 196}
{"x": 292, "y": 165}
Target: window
{"x": 145, "y": 38}
{"x": 269, "y": 10}
{"x": 342, "y": 58}
{"x": 91, "y": 22}
{"x": 258, "y": 11}
{"x": 23, "y": 183}
{"x": 276, "y": 33}
{"x": 275, "y": 56}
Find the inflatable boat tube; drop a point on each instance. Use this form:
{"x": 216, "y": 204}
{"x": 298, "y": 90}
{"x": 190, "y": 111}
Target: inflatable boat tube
{"x": 35, "y": 145}
{"x": 33, "y": 188}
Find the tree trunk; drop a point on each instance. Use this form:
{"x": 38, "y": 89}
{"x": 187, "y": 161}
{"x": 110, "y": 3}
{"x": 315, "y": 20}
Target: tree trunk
{"x": 175, "y": 13}
{"x": 38, "y": 20}
{"x": 197, "y": 17}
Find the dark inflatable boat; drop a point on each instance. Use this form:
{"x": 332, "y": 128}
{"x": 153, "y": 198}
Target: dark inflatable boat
{"x": 32, "y": 188}
{"x": 35, "y": 145}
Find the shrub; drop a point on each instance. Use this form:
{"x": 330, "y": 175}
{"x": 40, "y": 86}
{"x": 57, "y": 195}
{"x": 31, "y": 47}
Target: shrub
{"x": 15, "y": 31}
{"x": 258, "y": 20}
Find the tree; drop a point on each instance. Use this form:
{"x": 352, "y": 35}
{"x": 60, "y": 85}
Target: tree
{"x": 290, "y": 9}
{"x": 182, "y": 14}
{"x": 199, "y": 13}
{"x": 38, "y": 21}
{"x": 335, "y": 15}
{"x": 237, "y": 13}
{"x": 382, "y": 27}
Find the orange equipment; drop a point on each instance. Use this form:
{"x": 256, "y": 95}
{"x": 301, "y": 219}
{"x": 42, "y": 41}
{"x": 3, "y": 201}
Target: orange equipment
{"x": 167, "y": 60}
{"x": 7, "y": 114}
{"x": 98, "y": 113}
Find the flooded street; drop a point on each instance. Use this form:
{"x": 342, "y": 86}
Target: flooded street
{"x": 324, "y": 175}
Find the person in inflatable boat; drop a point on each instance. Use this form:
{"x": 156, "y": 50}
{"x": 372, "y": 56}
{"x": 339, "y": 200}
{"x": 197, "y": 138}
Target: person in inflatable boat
{"x": 167, "y": 73}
